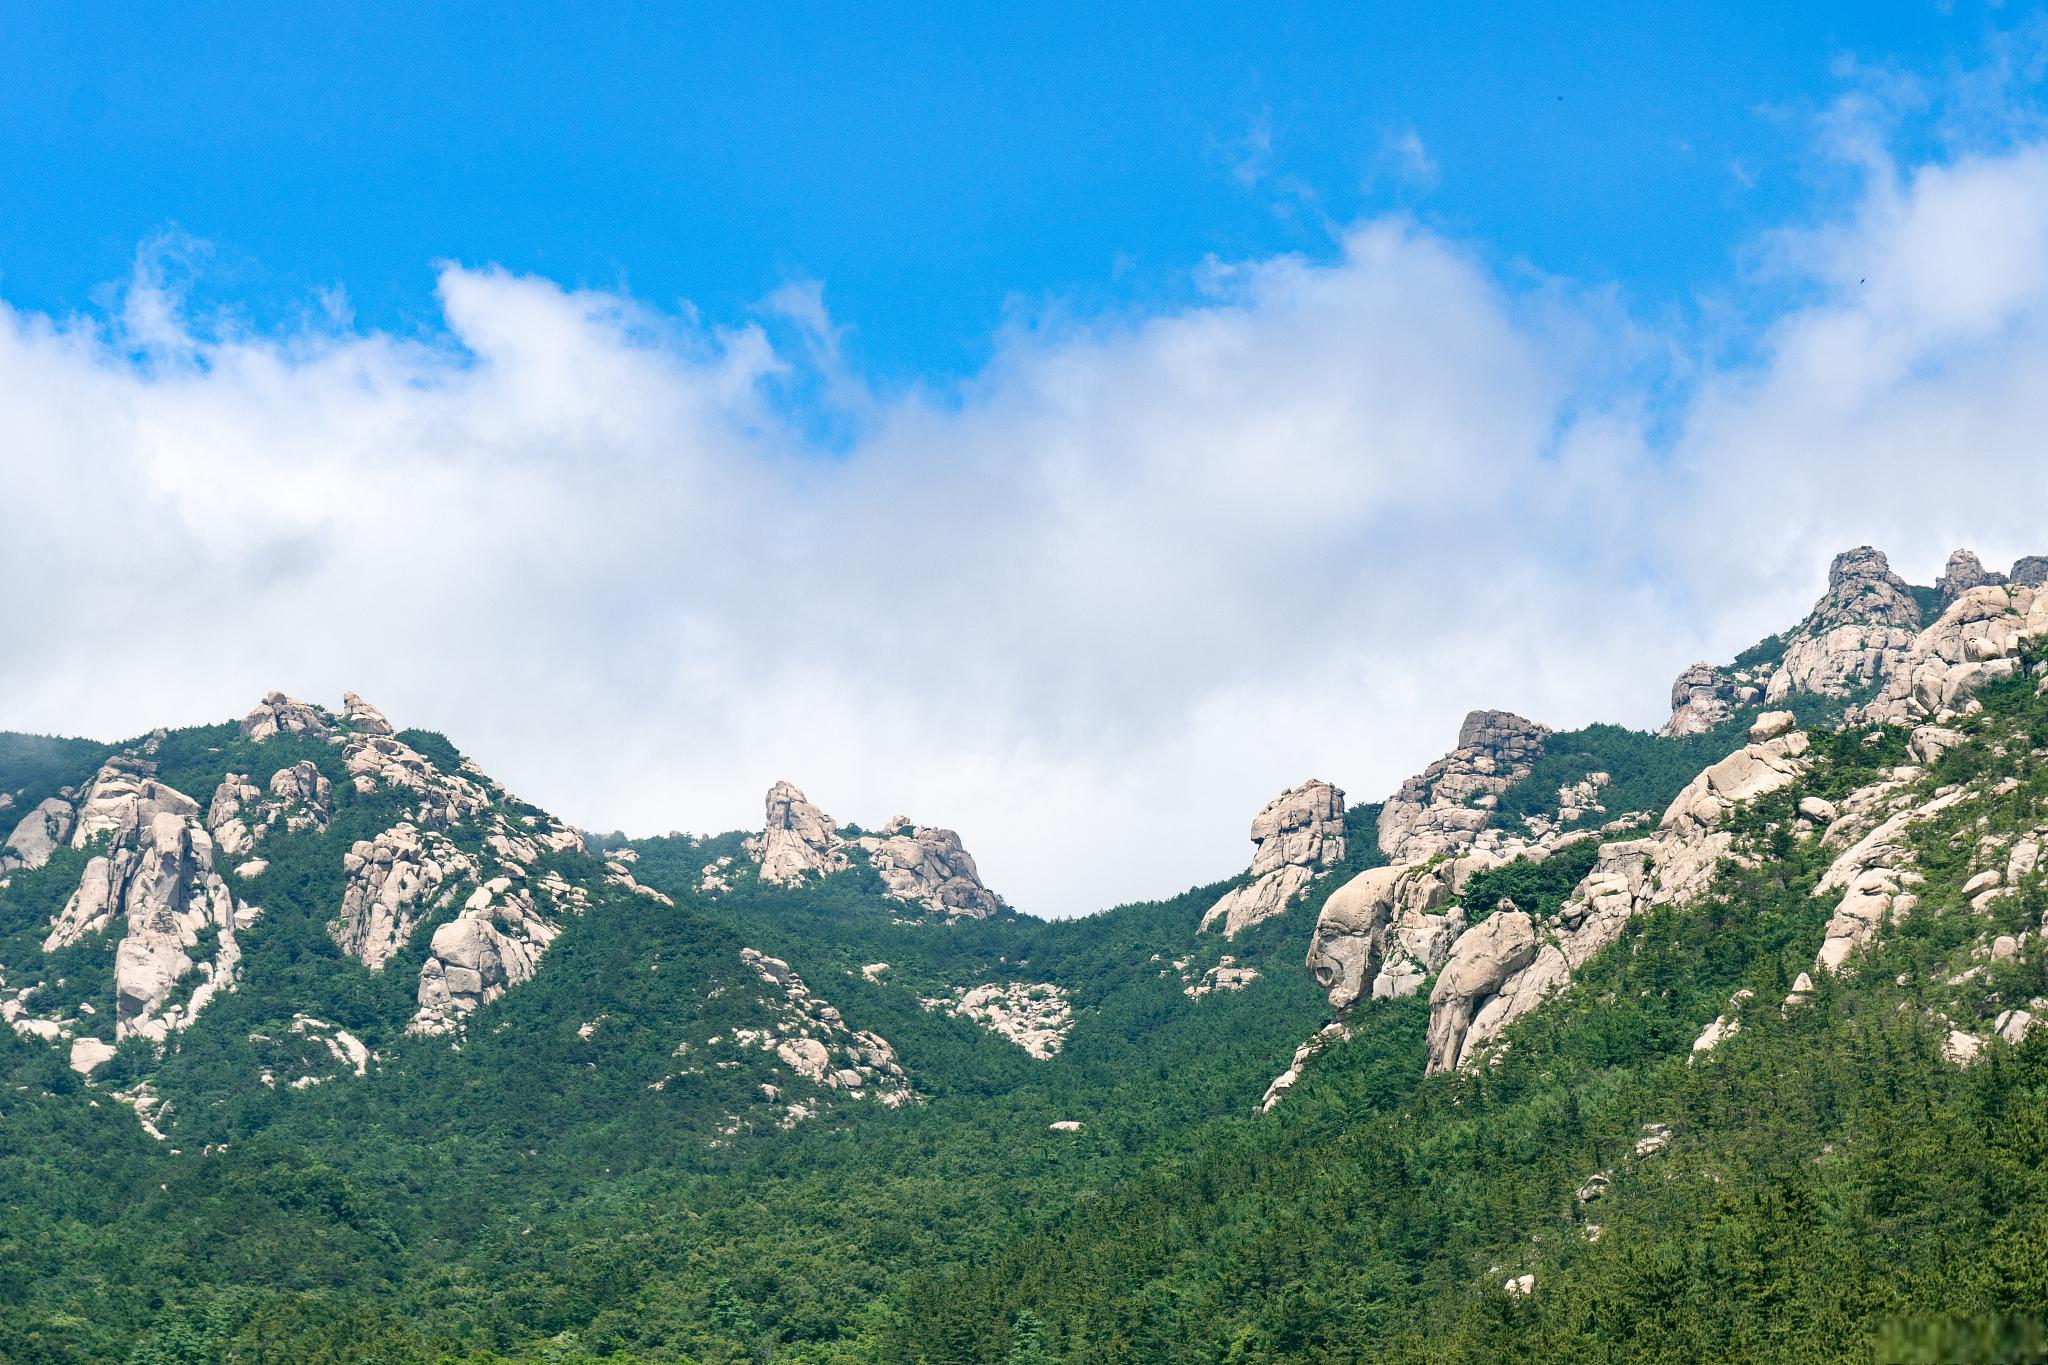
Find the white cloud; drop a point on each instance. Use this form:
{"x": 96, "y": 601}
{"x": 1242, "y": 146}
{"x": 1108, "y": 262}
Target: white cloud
{"x": 1092, "y": 609}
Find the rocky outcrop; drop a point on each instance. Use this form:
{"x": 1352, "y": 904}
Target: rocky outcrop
{"x": 1485, "y": 959}
{"x": 362, "y": 717}
{"x": 495, "y": 943}
{"x": 1674, "y": 865}
{"x": 927, "y": 866}
{"x": 798, "y": 840}
{"x": 1226, "y": 975}
{"x": 278, "y": 714}
{"x": 1705, "y": 696}
{"x": 123, "y": 797}
{"x": 300, "y": 798}
{"x": 1295, "y": 836}
{"x": 1444, "y": 807}
{"x": 395, "y": 881}
{"x": 1856, "y": 632}
{"x": 1975, "y": 641}
{"x": 40, "y": 833}
{"x": 1385, "y": 930}
{"x": 156, "y": 881}
{"x": 809, "y": 1036}
{"x": 444, "y": 798}
{"x": 1033, "y": 1015}
{"x": 1964, "y": 572}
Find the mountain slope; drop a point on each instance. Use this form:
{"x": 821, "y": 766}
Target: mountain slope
{"x": 1717, "y": 1044}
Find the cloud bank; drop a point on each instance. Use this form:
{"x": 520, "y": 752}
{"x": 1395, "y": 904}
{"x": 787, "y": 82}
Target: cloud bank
{"x": 1093, "y": 608}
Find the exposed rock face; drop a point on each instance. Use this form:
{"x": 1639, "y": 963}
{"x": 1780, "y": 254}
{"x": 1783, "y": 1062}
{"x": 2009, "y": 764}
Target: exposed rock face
{"x": 1704, "y": 696}
{"x": 1976, "y": 640}
{"x": 39, "y": 834}
{"x": 278, "y": 714}
{"x": 394, "y": 881}
{"x": 1442, "y": 809}
{"x": 1033, "y": 1015}
{"x": 2029, "y": 571}
{"x": 1858, "y": 629}
{"x": 240, "y": 814}
{"x": 1673, "y": 865}
{"x": 1964, "y": 572}
{"x": 1871, "y": 876}
{"x": 362, "y": 717}
{"x": 1226, "y": 975}
{"x": 444, "y": 798}
{"x": 1387, "y": 928}
{"x": 495, "y": 943}
{"x": 1296, "y": 836}
{"x": 928, "y": 867}
{"x": 157, "y": 880}
{"x": 122, "y": 798}
{"x": 1486, "y": 957}
{"x": 797, "y": 841}
{"x": 920, "y": 865}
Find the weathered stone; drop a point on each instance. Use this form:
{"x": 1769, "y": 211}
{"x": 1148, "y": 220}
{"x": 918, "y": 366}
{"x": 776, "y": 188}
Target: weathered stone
{"x": 1964, "y": 572}
{"x": 927, "y": 866}
{"x": 1295, "y": 836}
{"x": 38, "y": 834}
{"x": 1433, "y": 812}
{"x": 798, "y": 840}
{"x": 394, "y": 881}
{"x": 278, "y": 714}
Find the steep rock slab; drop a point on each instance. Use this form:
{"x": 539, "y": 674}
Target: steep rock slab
{"x": 39, "y": 834}
{"x": 156, "y": 880}
{"x": 1296, "y": 836}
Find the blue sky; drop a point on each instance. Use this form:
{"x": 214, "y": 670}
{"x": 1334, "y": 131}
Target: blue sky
{"x": 1200, "y": 400}
{"x": 938, "y": 168}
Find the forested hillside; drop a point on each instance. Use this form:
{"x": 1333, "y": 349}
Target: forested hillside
{"x": 1716, "y": 1044}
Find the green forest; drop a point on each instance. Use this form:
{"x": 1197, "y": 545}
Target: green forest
{"x": 557, "y": 1186}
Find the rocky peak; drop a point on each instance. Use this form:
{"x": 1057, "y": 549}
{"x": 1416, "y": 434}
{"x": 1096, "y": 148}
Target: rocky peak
{"x": 278, "y": 714}
{"x": 1863, "y": 590}
{"x": 1444, "y": 807}
{"x": 362, "y": 717}
{"x": 929, "y": 867}
{"x": 797, "y": 839}
{"x": 1295, "y": 836}
{"x": 2029, "y": 571}
{"x": 1963, "y": 572}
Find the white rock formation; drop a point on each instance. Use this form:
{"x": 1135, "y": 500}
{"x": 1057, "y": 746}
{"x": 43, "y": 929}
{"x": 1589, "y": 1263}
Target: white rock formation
{"x": 926, "y": 866}
{"x": 362, "y": 717}
{"x": 1033, "y": 1015}
{"x": 38, "y": 834}
{"x": 395, "y": 881}
{"x": 1439, "y": 810}
{"x": 1976, "y": 640}
{"x": 1494, "y": 977}
{"x": 1964, "y": 572}
{"x": 495, "y": 943}
{"x": 798, "y": 840}
{"x": 156, "y": 881}
{"x": 278, "y": 714}
{"x": 1855, "y": 633}
{"x": 1226, "y": 975}
{"x": 809, "y": 1037}
{"x": 1296, "y": 836}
